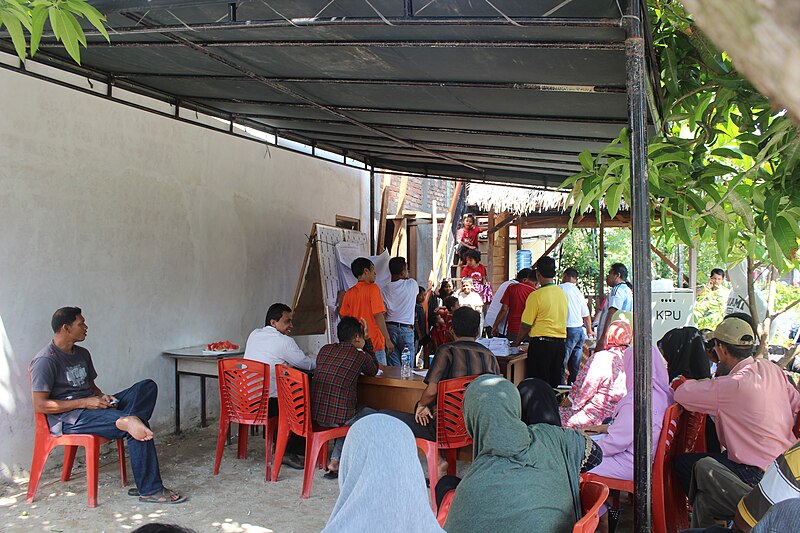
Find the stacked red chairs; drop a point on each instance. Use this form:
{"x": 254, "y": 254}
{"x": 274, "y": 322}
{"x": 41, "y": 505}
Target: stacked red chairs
{"x": 451, "y": 433}
{"x": 294, "y": 402}
{"x": 664, "y": 489}
{"x": 593, "y": 495}
{"x": 43, "y": 444}
{"x": 244, "y": 400}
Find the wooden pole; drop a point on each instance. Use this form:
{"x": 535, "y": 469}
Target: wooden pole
{"x": 441, "y": 250}
{"x": 693, "y": 268}
{"x": 556, "y": 242}
{"x": 434, "y": 237}
{"x": 602, "y": 260}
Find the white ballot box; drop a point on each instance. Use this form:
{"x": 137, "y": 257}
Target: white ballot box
{"x": 671, "y": 309}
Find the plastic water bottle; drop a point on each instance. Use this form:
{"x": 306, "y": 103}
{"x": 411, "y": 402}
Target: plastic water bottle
{"x": 405, "y": 363}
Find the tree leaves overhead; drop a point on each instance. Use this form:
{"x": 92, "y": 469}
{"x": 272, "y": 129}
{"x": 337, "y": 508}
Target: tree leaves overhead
{"x": 64, "y": 17}
{"x": 725, "y": 165}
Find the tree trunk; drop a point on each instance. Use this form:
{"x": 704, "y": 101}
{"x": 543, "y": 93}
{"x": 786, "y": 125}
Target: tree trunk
{"x": 762, "y": 38}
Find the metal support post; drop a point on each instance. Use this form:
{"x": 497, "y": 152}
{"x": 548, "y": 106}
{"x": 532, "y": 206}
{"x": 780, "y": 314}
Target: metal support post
{"x": 640, "y": 215}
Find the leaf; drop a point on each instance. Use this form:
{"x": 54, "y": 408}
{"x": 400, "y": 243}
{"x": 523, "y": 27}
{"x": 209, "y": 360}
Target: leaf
{"x": 773, "y": 248}
{"x": 14, "y": 27}
{"x": 741, "y": 208}
{"x": 39, "y": 17}
{"x": 613, "y": 198}
{"x": 69, "y": 17}
{"x": 785, "y": 235}
{"x": 587, "y": 162}
{"x": 68, "y": 37}
{"x": 727, "y": 153}
{"x": 723, "y": 234}
{"x": 94, "y": 17}
{"x": 748, "y": 148}
{"x": 771, "y": 205}
{"x": 680, "y": 224}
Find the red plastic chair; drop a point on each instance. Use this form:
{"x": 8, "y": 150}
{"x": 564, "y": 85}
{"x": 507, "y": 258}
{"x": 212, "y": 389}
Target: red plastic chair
{"x": 796, "y": 428}
{"x": 451, "y": 433}
{"x": 43, "y": 444}
{"x": 694, "y": 436}
{"x": 663, "y": 488}
{"x": 244, "y": 399}
{"x": 294, "y": 401}
{"x": 444, "y": 507}
{"x": 593, "y": 495}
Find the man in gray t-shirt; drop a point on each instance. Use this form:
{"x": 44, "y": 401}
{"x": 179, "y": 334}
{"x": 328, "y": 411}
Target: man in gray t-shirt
{"x": 63, "y": 389}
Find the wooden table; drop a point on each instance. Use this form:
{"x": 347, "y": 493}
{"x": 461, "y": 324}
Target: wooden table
{"x": 390, "y": 391}
{"x": 192, "y": 362}
{"x": 513, "y": 367}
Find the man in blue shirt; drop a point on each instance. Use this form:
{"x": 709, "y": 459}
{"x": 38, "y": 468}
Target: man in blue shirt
{"x": 619, "y": 299}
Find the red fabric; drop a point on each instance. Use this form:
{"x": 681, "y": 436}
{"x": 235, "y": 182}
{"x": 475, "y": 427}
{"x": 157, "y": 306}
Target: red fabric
{"x": 334, "y": 391}
{"x": 442, "y": 333}
{"x": 468, "y": 236}
{"x": 364, "y": 300}
{"x": 467, "y": 271}
{"x": 515, "y": 297}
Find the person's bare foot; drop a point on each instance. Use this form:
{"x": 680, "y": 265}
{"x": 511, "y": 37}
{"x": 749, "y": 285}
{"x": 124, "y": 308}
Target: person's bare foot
{"x": 333, "y": 465}
{"x": 442, "y": 468}
{"x": 135, "y": 427}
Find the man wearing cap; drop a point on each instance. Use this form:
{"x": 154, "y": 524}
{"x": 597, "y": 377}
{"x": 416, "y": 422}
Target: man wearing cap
{"x": 754, "y": 408}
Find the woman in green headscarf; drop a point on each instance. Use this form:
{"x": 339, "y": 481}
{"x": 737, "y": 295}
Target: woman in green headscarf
{"x": 522, "y": 478}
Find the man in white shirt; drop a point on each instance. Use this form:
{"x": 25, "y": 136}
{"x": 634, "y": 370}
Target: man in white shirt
{"x": 494, "y": 307}
{"x": 273, "y": 345}
{"x": 579, "y": 324}
{"x": 400, "y": 300}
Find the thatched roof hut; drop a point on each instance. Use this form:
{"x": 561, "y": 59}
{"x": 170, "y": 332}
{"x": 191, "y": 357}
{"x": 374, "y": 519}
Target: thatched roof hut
{"x": 515, "y": 200}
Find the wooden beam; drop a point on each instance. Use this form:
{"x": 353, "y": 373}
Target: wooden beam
{"x": 693, "y": 268}
{"x": 667, "y": 260}
{"x": 490, "y": 235}
{"x": 602, "y": 260}
{"x": 401, "y": 196}
{"x": 441, "y": 251}
{"x": 497, "y": 227}
{"x": 379, "y": 242}
{"x": 556, "y": 242}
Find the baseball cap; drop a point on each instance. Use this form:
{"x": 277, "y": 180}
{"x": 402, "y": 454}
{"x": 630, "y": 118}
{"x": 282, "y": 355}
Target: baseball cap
{"x": 735, "y": 331}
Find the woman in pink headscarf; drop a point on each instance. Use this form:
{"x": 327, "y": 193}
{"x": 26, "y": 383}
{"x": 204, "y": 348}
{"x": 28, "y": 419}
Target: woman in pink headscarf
{"x": 617, "y": 442}
{"x": 600, "y": 384}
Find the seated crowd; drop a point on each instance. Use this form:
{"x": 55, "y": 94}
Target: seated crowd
{"x": 529, "y": 449}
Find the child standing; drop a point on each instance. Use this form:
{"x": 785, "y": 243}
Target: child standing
{"x": 477, "y": 272}
{"x": 364, "y": 300}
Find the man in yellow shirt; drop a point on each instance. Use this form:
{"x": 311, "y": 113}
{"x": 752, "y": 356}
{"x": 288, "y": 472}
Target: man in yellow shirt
{"x": 545, "y": 320}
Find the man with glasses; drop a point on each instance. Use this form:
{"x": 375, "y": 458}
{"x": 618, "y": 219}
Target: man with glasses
{"x": 754, "y": 408}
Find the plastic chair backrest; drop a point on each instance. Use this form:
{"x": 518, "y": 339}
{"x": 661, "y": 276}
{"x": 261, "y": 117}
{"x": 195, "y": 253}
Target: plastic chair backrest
{"x": 593, "y": 495}
{"x": 294, "y": 398}
{"x": 444, "y": 507}
{"x": 666, "y": 450}
{"x": 693, "y": 435}
{"x": 41, "y": 423}
{"x": 243, "y": 390}
{"x": 450, "y": 429}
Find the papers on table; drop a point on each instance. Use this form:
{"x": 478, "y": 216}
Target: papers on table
{"x": 422, "y": 373}
{"x": 499, "y": 346}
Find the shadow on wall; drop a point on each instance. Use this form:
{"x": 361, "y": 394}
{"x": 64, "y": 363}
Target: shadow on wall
{"x": 14, "y": 390}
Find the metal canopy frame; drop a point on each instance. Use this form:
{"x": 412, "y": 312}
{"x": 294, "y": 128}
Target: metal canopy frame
{"x": 507, "y": 91}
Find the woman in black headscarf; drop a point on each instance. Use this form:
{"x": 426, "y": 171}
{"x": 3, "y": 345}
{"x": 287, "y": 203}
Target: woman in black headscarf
{"x": 685, "y": 352}
{"x": 539, "y": 403}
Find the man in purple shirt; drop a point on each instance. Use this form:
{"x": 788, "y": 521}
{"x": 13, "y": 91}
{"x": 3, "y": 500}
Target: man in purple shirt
{"x": 63, "y": 388}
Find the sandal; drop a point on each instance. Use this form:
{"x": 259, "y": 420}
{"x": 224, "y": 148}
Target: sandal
{"x": 164, "y": 496}
{"x": 331, "y": 474}
{"x": 133, "y": 492}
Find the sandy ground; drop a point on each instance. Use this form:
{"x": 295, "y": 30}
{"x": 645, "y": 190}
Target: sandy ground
{"x": 236, "y": 500}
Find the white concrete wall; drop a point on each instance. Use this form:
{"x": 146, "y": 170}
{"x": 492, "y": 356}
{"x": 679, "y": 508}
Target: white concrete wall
{"x": 166, "y": 234}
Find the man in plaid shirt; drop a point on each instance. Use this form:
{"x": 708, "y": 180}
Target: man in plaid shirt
{"x": 333, "y": 390}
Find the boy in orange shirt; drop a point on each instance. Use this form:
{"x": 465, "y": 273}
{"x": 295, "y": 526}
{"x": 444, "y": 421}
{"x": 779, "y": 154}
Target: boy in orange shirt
{"x": 364, "y": 300}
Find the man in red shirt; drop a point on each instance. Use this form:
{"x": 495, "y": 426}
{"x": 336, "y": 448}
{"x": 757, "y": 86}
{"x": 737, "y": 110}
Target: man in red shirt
{"x": 334, "y": 399}
{"x": 364, "y": 300}
{"x": 514, "y": 304}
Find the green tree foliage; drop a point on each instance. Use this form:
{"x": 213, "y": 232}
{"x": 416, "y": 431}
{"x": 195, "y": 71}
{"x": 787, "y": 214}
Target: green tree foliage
{"x": 21, "y": 16}
{"x": 723, "y": 168}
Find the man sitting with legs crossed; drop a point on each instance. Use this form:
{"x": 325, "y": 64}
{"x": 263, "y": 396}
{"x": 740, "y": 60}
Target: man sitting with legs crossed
{"x": 62, "y": 383}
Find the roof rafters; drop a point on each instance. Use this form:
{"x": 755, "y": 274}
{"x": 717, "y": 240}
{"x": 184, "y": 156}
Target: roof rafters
{"x": 285, "y": 90}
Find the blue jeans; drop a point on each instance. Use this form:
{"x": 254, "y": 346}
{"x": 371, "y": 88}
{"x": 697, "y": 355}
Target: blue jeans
{"x": 380, "y": 355}
{"x": 573, "y": 353}
{"x": 138, "y": 400}
{"x": 401, "y": 336}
